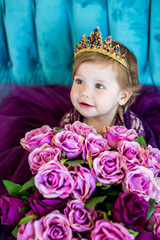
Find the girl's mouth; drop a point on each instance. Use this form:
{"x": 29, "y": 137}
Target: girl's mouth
{"x": 85, "y": 105}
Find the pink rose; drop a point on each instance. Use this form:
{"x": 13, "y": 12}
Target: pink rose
{"x": 70, "y": 143}
{"x": 81, "y": 219}
{"x": 140, "y": 180}
{"x": 85, "y": 182}
{"x": 26, "y": 231}
{"x": 132, "y": 152}
{"x": 53, "y": 226}
{"x": 53, "y": 180}
{"x": 109, "y": 230}
{"x": 155, "y": 218}
{"x": 115, "y": 134}
{"x": 40, "y": 155}
{"x": 10, "y": 206}
{"x": 108, "y": 167}
{"x": 94, "y": 144}
{"x": 37, "y": 137}
{"x": 157, "y": 229}
{"x": 157, "y": 182}
{"x": 152, "y": 156}
{"x": 80, "y": 128}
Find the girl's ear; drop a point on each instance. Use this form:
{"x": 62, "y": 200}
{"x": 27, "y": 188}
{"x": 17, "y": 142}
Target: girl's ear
{"x": 125, "y": 95}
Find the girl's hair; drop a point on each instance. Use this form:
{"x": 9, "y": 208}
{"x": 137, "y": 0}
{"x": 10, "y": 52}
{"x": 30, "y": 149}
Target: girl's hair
{"x": 126, "y": 78}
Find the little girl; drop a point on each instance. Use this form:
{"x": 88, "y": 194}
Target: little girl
{"x": 105, "y": 84}
{"x": 105, "y": 75}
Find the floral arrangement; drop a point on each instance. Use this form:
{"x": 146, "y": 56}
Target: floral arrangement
{"x": 85, "y": 186}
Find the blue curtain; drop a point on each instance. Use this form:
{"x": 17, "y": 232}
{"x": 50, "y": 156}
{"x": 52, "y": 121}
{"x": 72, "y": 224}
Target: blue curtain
{"x": 38, "y": 37}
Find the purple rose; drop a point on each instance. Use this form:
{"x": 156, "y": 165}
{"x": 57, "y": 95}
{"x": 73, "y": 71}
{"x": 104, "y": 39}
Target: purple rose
{"x": 10, "y": 209}
{"x": 131, "y": 210}
{"x": 108, "y": 168}
{"x": 79, "y": 239}
{"x": 70, "y": 143}
{"x": 94, "y": 144}
{"x": 53, "y": 180}
{"x": 80, "y": 128}
{"x": 37, "y": 137}
{"x": 85, "y": 182}
{"x": 40, "y": 155}
{"x": 145, "y": 235}
{"x": 140, "y": 180}
{"x": 53, "y": 226}
{"x": 80, "y": 218}
{"x": 27, "y": 231}
{"x": 115, "y": 134}
{"x": 152, "y": 156}
{"x": 42, "y": 206}
{"x": 132, "y": 153}
{"x": 109, "y": 230}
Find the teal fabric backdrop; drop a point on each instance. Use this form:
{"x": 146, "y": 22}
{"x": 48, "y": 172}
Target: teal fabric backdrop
{"x": 38, "y": 37}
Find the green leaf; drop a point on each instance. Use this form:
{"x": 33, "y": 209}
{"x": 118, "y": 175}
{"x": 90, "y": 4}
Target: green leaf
{"x": 79, "y": 235}
{"x": 113, "y": 193}
{"x": 63, "y": 160}
{"x": 151, "y": 208}
{"x": 93, "y": 201}
{"x": 90, "y": 160}
{"x": 28, "y": 184}
{"x": 63, "y": 155}
{"x": 105, "y": 216}
{"x": 12, "y": 188}
{"x": 15, "y": 231}
{"x": 109, "y": 206}
{"x": 75, "y": 162}
{"x": 106, "y": 187}
{"x": 23, "y": 210}
{"x": 135, "y": 233}
{"x": 141, "y": 141}
{"x": 57, "y": 128}
{"x": 27, "y": 219}
{"x": 99, "y": 184}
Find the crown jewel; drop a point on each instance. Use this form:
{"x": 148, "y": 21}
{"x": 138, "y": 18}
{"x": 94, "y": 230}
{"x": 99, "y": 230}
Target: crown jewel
{"x": 94, "y": 43}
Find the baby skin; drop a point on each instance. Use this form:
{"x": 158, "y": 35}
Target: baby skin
{"x": 96, "y": 94}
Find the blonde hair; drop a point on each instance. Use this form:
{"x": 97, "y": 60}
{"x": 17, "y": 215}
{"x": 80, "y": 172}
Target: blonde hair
{"x": 126, "y": 78}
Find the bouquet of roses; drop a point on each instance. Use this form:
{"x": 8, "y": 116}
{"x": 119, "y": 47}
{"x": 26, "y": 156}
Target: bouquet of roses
{"x": 85, "y": 186}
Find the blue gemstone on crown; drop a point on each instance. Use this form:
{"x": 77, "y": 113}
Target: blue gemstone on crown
{"x": 116, "y": 48}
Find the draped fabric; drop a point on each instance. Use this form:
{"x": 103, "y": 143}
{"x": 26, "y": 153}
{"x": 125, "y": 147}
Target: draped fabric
{"x": 38, "y": 37}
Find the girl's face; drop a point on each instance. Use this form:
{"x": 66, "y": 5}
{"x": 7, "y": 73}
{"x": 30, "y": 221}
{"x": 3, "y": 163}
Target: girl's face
{"x": 95, "y": 92}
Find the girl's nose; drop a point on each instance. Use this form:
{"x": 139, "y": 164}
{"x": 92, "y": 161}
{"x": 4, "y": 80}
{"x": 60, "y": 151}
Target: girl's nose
{"x": 85, "y": 92}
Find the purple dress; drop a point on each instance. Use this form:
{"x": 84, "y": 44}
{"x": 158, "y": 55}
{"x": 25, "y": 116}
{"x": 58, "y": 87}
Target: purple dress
{"x": 27, "y": 108}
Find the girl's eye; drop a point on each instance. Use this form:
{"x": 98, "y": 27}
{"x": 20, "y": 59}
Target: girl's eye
{"x": 79, "y": 81}
{"x": 99, "y": 86}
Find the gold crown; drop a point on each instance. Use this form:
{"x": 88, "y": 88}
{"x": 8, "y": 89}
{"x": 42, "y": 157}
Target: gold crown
{"x": 94, "y": 43}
